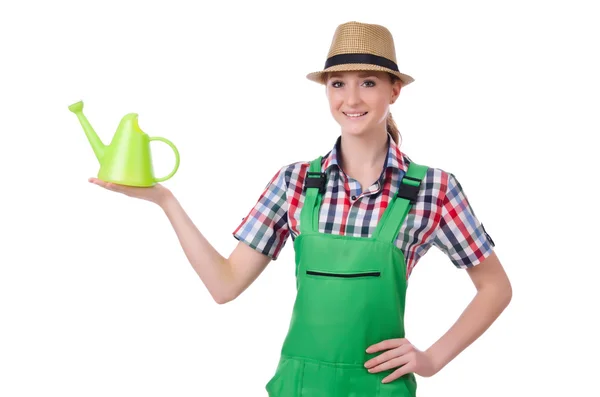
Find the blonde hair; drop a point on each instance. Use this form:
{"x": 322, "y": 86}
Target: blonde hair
{"x": 391, "y": 126}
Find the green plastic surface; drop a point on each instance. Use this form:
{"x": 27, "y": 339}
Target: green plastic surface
{"x": 127, "y": 160}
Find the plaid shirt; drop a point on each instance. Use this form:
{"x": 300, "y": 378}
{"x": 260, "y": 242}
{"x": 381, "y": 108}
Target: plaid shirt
{"x": 442, "y": 215}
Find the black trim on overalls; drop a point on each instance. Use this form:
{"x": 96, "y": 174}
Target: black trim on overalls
{"x": 317, "y": 182}
{"x": 409, "y": 192}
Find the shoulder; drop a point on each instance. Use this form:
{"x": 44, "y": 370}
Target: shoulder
{"x": 290, "y": 175}
{"x": 436, "y": 183}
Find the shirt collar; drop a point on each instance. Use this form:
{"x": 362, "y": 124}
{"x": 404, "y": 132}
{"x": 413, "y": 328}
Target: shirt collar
{"x": 395, "y": 158}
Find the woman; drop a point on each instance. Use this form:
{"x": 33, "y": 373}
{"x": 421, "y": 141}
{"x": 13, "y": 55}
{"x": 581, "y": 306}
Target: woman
{"x": 360, "y": 218}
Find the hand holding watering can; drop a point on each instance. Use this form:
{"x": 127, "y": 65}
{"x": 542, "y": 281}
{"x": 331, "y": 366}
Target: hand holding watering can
{"x": 126, "y": 163}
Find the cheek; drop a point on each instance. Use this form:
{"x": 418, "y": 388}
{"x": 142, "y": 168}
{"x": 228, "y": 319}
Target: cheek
{"x": 379, "y": 101}
{"x": 334, "y": 101}
{"x": 378, "y": 105}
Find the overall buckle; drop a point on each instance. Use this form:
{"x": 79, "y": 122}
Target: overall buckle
{"x": 408, "y": 191}
{"x": 315, "y": 180}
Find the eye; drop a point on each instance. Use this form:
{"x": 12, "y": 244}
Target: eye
{"x": 370, "y": 83}
{"x": 335, "y": 84}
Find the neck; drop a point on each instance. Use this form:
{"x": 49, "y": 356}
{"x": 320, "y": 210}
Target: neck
{"x": 360, "y": 155}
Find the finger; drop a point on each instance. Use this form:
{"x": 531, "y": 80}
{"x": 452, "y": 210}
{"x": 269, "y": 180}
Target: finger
{"x": 98, "y": 182}
{"x": 108, "y": 185}
{"x": 397, "y": 360}
{"x": 403, "y": 350}
{"x": 386, "y": 344}
{"x": 403, "y": 370}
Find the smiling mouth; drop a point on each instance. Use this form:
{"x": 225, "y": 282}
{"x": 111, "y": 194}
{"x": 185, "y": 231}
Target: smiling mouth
{"x": 355, "y": 115}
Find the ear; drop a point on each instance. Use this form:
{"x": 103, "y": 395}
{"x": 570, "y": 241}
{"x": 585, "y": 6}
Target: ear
{"x": 396, "y": 87}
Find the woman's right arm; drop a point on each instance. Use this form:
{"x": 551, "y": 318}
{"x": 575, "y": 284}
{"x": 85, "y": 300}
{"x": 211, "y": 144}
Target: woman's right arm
{"x": 225, "y": 278}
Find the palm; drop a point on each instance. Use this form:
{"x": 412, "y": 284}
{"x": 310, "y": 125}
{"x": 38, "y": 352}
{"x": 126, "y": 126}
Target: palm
{"x": 153, "y": 193}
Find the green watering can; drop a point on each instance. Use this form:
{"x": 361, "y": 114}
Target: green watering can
{"x": 127, "y": 160}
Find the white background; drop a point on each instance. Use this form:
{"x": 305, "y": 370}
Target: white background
{"x": 96, "y": 295}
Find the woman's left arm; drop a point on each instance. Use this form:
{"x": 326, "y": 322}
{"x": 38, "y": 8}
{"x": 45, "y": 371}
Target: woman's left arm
{"x": 494, "y": 293}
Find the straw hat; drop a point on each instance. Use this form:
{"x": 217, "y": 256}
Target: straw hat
{"x": 361, "y": 46}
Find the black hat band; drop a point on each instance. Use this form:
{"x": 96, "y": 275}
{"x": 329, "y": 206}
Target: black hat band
{"x": 341, "y": 59}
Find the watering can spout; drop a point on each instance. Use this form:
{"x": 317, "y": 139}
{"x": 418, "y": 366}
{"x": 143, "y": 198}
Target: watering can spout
{"x": 92, "y": 137}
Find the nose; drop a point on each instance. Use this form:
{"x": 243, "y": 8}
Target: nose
{"x": 353, "y": 95}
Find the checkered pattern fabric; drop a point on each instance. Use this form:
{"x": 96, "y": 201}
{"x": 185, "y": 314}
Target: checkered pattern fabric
{"x": 441, "y": 217}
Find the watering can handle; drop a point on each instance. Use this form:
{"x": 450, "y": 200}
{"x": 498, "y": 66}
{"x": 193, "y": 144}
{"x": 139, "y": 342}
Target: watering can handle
{"x": 164, "y": 178}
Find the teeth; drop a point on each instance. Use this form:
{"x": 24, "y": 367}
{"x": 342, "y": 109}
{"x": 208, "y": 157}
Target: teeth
{"x": 355, "y": 114}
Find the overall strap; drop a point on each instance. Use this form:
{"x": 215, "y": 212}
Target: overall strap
{"x": 393, "y": 218}
{"x": 314, "y": 186}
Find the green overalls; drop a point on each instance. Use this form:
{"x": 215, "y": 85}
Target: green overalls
{"x": 350, "y": 295}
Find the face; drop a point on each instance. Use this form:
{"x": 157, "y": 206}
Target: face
{"x": 359, "y": 101}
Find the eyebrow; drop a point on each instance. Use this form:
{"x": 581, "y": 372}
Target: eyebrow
{"x": 361, "y": 75}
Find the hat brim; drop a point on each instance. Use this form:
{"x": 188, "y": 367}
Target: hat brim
{"x": 317, "y": 76}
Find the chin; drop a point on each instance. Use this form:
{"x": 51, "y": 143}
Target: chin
{"x": 355, "y": 131}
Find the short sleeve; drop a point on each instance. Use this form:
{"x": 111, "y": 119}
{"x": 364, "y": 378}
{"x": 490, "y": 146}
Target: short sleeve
{"x": 265, "y": 228}
{"x": 460, "y": 235}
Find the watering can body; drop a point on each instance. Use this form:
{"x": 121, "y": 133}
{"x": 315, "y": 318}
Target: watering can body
{"x": 127, "y": 160}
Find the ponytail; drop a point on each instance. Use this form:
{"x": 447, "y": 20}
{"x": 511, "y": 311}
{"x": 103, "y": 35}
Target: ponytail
{"x": 392, "y": 129}
{"x": 391, "y": 126}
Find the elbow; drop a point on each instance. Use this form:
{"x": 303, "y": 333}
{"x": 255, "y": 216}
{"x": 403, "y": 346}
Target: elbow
{"x": 508, "y": 293}
{"x": 504, "y": 294}
{"x": 221, "y": 300}
{"x": 224, "y": 298}
{"x": 499, "y": 293}
{"x": 222, "y": 290}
